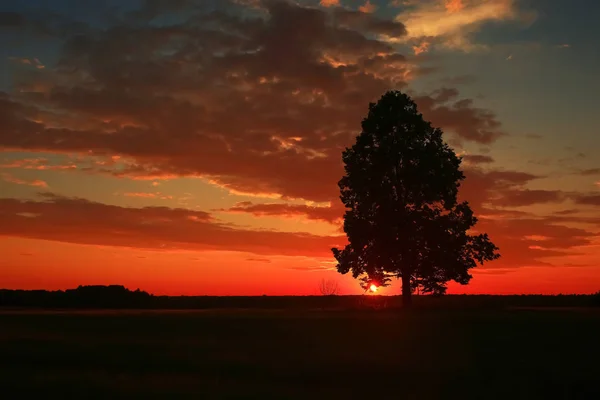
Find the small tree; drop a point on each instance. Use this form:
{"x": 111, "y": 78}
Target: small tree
{"x": 328, "y": 287}
{"x": 402, "y": 217}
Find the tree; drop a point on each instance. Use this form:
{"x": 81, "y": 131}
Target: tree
{"x": 328, "y": 287}
{"x": 402, "y": 216}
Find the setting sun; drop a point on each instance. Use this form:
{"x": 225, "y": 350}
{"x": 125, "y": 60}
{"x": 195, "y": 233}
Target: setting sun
{"x": 373, "y": 288}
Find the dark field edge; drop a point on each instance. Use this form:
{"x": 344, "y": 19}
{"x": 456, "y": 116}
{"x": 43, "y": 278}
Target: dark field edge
{"x": 119, "y": 297}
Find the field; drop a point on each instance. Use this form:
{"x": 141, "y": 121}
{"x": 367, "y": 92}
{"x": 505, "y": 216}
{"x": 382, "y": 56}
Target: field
{"x": 300, "y": 354}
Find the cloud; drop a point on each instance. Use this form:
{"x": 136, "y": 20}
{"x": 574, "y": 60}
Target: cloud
{"x": 11, "y": 19}
{"x": 453, "y": 6}
{"x": 453, "y": 17}
{"x": 459, "y": 80}
{"x": 34, "y": 62}
{"x": 423, "y": 47}
{"x": 148, "y": 195}
{"x": 590, "y": 172}
{"x": 520, "y": 244}
{"x": 363, "y": 20}
{"x": 80, "y": 221}
{"x": 557, "y": 237}
{"x": 261, "y": 260}
{"x": 255, "y": 101}
{"x": 39, "y": 25}
{"x": 444, "y": 108}
{"x": 482, "y": 187}
{"x": 368, "y": 7}
{"x": 587, "y": 199}
{"x": 326, "y": 214}
{"x": 451, "y": 23}
{"x": 526, "y": 197}
{"x": 39, "y": 164}
{"x": 516, "y": 232}
{"x": 259, "y": 98}
{"x": 566, "y": 212}
{"x": 536, "y": 238}
{"x": 477, "y": 159}
{"x": 36, "y": 182}
{"x": 329, "y": 3}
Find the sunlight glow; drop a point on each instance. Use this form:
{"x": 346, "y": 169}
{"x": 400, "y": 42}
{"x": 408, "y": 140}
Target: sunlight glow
{"x": 373, "y": 288}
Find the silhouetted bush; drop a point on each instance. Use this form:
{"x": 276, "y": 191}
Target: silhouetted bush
{"x": 113, "y": 296}
{"x": 595, "y": 299}
{"x": 328, "y": 288}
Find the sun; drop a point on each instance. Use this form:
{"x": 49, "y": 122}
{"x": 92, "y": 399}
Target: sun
{"x": 373, "y": 288}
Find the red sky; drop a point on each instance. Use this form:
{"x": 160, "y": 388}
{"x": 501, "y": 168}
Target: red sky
{"x": 193, "y": 147}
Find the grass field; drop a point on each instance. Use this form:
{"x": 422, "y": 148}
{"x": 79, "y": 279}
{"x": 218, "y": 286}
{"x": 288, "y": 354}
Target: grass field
{"x": 301, "y": 354}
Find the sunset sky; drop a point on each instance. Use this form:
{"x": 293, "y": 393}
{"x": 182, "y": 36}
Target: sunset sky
{"x": 194, "y": 146}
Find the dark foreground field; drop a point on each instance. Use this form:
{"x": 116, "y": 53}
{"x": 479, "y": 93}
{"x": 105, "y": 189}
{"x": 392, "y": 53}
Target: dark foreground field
{"x": 301, "y": 354}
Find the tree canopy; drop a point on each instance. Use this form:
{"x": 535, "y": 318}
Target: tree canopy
{"x": 403, "y": 219}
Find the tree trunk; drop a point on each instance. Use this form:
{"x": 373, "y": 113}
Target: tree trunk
{"x": 406, "y": 291}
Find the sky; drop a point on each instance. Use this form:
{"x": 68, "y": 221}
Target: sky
{"x": 194, "y": 146}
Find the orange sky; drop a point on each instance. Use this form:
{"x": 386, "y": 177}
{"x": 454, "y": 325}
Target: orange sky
{"x": 181, "y": 150}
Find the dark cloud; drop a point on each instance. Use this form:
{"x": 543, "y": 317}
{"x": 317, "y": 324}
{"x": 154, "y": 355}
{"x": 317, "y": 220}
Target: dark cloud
{"x": 587, "y": 199}
{"x": 368, "y": 22}
{"x": 459, "y": 80}
{"x": 581, "y": 218}
{"x": 533, "y": 136}
{"x": 567, "y": 212}
{"x": 308, "y": 267}
{"x": 523, "y": 240}
{"x": 527, "y": 197}
{"x": 40, "y": 25}
{"x": 255, "y": 100}
{"x": 590, "y": 172}
{"x": 327, "y": 214}
{"x": 477, "y": 159}
{"x": 443, "y": 108}
{"x": 481, "y": 187}
{"x": 531, "y": 241}
{"x": 259, "y": 99}
{"x": 85, "y": 222}
{"x": 261, "y": 260}
{"x": 151, "y": 9}
{"x": 11, "y": 19}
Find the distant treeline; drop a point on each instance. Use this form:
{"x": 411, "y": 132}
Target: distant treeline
{"x": 119, "y": 297}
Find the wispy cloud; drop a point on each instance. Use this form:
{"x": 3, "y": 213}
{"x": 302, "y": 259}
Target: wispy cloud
{"x": 80, "y": 221}
{"x": 368, "y": 7}
{"x": 36, "y": 182}
{"x": 148, "y": 195}
{"x": 327, "y": 214}
{"x": 451, "y": 23}
{"x": 423, "y": 47}
{"x": 39, "y": 164}
{"x": 453, "y": 6}
{"x": 329, "y": 3}
{"x": 34, "y": 62}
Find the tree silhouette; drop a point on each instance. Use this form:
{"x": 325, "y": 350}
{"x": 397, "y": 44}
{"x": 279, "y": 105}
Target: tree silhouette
{"x": 402, "y": 217}
{"x": 328, "y": 287}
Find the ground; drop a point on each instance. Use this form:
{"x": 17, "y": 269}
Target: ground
{"x": 300, "y": 354}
